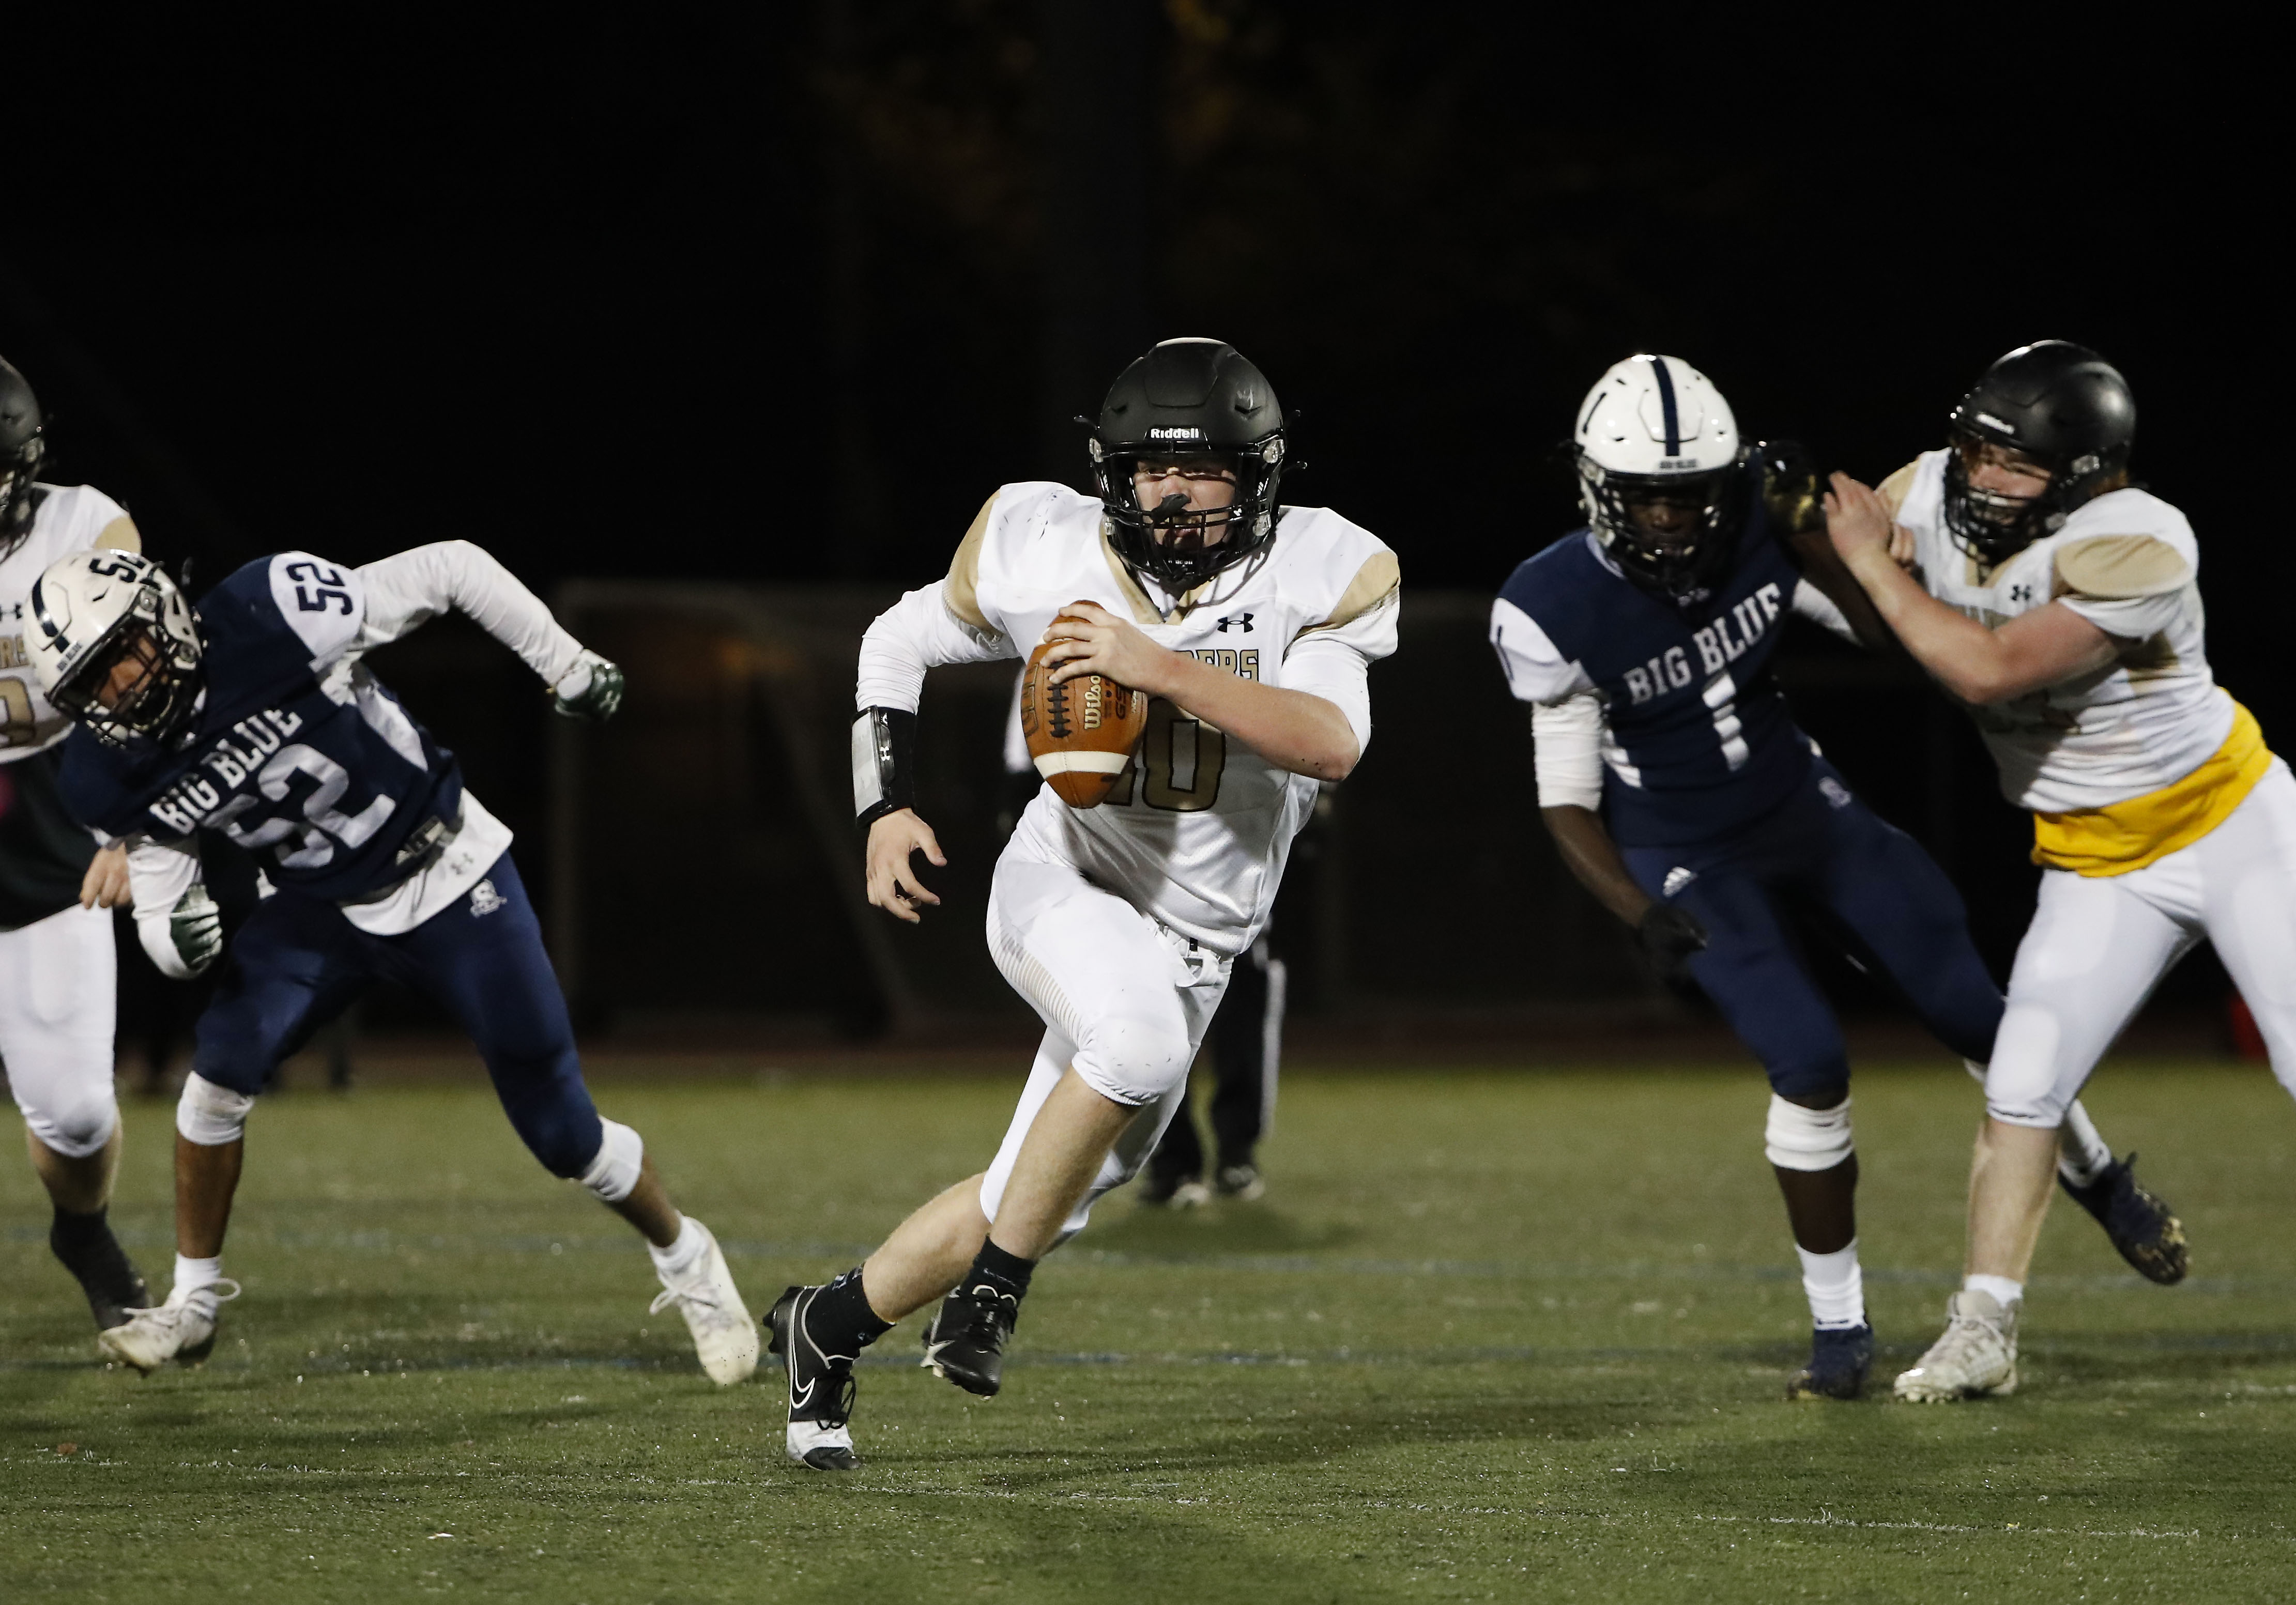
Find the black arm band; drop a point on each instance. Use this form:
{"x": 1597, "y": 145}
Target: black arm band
{"x": 884, "y": 763}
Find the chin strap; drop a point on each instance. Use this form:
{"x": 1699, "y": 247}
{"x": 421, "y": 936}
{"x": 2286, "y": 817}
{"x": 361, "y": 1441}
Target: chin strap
{"x": 884, "y": 763}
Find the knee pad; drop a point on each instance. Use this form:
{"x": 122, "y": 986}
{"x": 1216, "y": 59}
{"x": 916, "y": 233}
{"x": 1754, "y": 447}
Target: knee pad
{"x": 211, "y": 1116}
{"x": 1806, "y": 1139}
{"x": 77, "y": 1130}
{"x": 621, "y": 1156}
{"x": 1132, "y": 1061}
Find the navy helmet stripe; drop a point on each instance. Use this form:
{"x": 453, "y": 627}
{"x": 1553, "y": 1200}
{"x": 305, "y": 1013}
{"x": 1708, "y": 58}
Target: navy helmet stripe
{"x": 1666, "y": 401}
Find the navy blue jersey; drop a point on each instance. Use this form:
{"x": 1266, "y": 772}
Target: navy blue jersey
{"x": 1699, "y": 743}
{"x": 294, "y": 753}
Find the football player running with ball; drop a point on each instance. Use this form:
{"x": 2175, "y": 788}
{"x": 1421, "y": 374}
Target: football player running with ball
{"x": 1681, "y": 794}
{"x": 58, "y": 973}
{"x": 1252, "y": 627}
{"x": 254, "y": 717}
{"x": 2060, "y": 604}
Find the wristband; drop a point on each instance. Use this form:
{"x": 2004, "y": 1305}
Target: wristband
{"x": 884, "y": 763}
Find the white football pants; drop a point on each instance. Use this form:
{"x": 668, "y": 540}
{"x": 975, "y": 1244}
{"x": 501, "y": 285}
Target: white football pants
{"x": 2098, "y": 946}
{"x": 1124, "y": 1002}
{"x": 58, "y": 979}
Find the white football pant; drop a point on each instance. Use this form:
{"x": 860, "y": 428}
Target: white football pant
{"x": 1124, "y": 1002}
{"x": 58, "y": 980}
{"x": 2099, "y": 945}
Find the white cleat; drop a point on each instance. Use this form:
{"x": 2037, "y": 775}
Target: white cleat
{"x": 1976, "y": 1356}
{"x": 724, "y": 1335}
{"x": 182, "y": 1330}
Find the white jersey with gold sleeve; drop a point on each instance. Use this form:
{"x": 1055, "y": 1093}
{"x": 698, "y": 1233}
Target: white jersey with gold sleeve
{"x": 1197, "y": 828}
{"x": 65, "y": 518}
{"x": 2126, "y": 562}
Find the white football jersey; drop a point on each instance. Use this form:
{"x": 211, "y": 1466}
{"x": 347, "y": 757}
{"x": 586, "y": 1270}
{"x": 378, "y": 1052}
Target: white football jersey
{"x": 2127, "y": 562}
{"x": 1196, "y": 831}
{"x": 67, "y": 519}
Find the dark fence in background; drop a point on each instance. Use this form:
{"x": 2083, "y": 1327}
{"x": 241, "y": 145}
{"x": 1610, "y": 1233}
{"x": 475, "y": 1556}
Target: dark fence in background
{"x": 704, "y": 868}
{"x": 699, "y": 874}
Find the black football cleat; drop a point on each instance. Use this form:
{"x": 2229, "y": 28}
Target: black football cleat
{"x": 821, "y": 1387}
{"x": 965, "y": 1343}
{"x": 1839, "y": 1359}
{"x": 2140, "y": 1223}
{"x": 89, "y": 1251}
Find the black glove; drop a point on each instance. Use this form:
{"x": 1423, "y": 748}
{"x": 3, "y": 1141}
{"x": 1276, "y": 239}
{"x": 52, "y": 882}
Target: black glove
{"x": 1792, "y": 487}
{"x": 1669, "y": 936}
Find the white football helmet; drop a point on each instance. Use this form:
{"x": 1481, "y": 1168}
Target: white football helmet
{"x": 1661, "y": 470}
{"x": 94, "y": 610}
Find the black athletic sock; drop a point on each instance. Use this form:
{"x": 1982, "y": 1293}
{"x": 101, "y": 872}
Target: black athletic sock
{"x": 1008, "y": 1274}
{"x": 840, "y": 1319}
{"x": 89, "y": 1251}
{"x": 74, "y": 1233}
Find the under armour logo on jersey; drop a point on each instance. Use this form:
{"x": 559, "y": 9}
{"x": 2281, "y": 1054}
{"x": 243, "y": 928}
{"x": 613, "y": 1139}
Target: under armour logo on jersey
{"x": 1675, "y": 879}
{"x": 485, "y": 899}
{"x": 1242, "y": 622}
{"x": 2021, "y": 594}
{"x": 1837, "y": 795}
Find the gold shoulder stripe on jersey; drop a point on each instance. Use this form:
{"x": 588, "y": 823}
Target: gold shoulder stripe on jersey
{"x": 962, "y": 591}
{"x": 121, "y": 534}
{"x": 2129, "y": 835}
{"x": 1380, "y": 578}
{"x": 1894, "y": 490}
{"x": 1144, "y": 611}
{"x": 2117, "y": 568}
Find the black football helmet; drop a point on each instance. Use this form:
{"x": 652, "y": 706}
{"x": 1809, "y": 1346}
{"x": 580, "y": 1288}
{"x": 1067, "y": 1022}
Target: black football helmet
{"x": 2060, "y": 404}
{"x": 1189, "y": 398}
{"x": 22, "y": 445}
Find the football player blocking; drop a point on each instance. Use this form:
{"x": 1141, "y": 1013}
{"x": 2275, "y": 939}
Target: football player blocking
{"x": 1119, "y": 923}
{"x": 1681, "y": 794}
{"x": 2061, "y": 605}
{"x": 57, "y": 969}
{"x": 254, "y": 717}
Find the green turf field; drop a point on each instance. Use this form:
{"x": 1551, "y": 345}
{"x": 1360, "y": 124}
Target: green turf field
{"x": 1490, "y": 1337}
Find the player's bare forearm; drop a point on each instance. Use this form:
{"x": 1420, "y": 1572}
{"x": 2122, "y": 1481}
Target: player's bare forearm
{"x": 1822, "y": 566}
{"x": 1592, "y": 857}
{"x": 1292, "y": 730}
{"x": 1977, "y": 663}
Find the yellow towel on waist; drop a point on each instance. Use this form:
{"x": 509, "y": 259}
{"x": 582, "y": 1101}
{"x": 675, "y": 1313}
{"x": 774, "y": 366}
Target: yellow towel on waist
{"x": 2129, "y": 835}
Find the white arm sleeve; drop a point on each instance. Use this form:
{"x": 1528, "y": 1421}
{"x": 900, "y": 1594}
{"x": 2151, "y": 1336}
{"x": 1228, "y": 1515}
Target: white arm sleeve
{"x": 160, "y": 875}
{"x": 1536, "y": 668}
{"x": 1567, "y": 751}
{"x": 915, "y": 634}
{"x": 1333, "y": 662}
{"x": 416, "y": 586}
{"x": 1815, "y": 605}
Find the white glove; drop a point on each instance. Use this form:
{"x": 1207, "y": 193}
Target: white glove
{"x": 195, "y": 925}
{"x": 590, "y": 690}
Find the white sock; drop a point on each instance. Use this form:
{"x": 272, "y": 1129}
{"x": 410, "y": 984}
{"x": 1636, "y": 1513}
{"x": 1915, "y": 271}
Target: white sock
{"x": 686, "y": 1253}
{"x": 1836, "y": 1288}
{"x": 2082, "y": 1155}
{"x": 194, "y": 1276}
{"x": 2003, "y": 1291}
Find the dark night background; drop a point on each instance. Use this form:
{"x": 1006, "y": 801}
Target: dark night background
{"x": 779, "y": 295}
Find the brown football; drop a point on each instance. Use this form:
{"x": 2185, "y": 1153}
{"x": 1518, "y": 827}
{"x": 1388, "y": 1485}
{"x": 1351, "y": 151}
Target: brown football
{"x": 1080, "y": 733}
